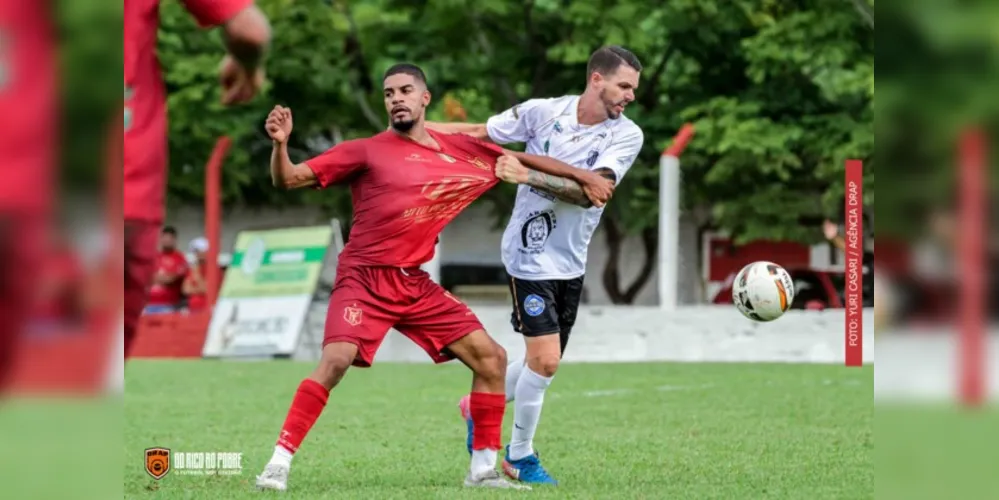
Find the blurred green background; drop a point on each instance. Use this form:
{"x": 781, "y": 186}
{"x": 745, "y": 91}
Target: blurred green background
{"x": 780, "y": 92}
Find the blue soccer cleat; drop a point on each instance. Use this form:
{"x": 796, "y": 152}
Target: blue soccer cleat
{"x": 466, "y": 413}
{"x": 527, "y": 469}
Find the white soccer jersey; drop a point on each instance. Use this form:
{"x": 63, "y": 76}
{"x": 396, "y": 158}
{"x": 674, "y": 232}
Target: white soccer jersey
{"x": 547, "y": 238}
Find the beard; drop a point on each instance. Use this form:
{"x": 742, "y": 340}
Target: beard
{"x": 403, "y": 125}
{"x": 609, "y": 106}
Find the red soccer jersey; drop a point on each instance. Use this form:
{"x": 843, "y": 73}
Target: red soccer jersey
{"x": 405, "y": 193}
{"x": 169, "y": 295}
{"x": 28, "y": 97}
{"x": 145, "y": 102}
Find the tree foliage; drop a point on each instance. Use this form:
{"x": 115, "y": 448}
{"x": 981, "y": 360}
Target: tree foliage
{"x": 940, "y": 72}
{"x": 781, "y": 93}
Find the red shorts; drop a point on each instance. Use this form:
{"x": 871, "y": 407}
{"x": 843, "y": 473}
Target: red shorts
{"x": 367, "y": 301}
{"x": 140, "y": 265}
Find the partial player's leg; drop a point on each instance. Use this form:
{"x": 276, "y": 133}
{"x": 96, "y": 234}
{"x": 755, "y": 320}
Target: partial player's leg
{"x": 538, "y": 315}
{"x": 486, "y": 405}
{"x": 20, "y": 251}
{"x": 306, "y": 407}
{"x": 445, "y": 328}
{"x": 513, "y": 370}
{"x": 356, "y": 324}
{"x": 140, "y": 266}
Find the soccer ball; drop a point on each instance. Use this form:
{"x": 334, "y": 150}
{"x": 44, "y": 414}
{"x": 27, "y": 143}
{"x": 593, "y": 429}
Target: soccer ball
{"x": 763, "y": 291}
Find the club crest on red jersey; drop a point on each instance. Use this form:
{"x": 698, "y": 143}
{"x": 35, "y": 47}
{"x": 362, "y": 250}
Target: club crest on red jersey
{"x": 352, "y": 315}
{"x": 480, "y": 164}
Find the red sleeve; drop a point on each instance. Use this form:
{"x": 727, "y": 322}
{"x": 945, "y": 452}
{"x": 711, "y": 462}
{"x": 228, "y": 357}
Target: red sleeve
{"x": 215, "y": 12}
{"x": 339, "y": 163}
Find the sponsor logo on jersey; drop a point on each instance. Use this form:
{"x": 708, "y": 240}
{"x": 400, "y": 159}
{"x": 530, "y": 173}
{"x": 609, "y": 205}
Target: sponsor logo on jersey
{"x": 591, "y": 160}
{"x": 448, "y": 197}
{"x": 547, "y": 196}
{"x": 475, "y": 160}
{"x": 534, "y": 305}
{"x": 535, "y": 232}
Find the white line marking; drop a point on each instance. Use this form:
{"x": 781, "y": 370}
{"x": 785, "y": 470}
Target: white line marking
{"x": 607, "y": 392}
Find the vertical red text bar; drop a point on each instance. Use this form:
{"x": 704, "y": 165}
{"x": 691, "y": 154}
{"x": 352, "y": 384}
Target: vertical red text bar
{"x": 853, "y": 204}
{"x": 971, "y": 252}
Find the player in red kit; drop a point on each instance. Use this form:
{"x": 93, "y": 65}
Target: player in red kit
{"x": 407, "y": 184}
{"x": 246, "y": 33}
{"x": 29, "y": 145}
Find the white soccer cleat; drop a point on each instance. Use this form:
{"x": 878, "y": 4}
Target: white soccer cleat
{"x": 492, "y": 479}
{"x": 274, "y": 477}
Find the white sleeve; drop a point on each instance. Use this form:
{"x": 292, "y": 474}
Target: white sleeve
{"x": 518, "y": 123}
{"x": 622, "y": 152}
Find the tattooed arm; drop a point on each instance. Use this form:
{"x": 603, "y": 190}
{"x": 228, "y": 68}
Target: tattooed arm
{"x": 510, "y": 169}
{"x": 566, "y": 190}
{"x": 570, "y": 184}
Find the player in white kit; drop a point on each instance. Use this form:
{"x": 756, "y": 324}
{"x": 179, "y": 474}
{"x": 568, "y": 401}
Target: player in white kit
{"x": 545, "y": 243}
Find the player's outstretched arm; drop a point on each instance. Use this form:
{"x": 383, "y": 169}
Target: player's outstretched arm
{"x": 597, "y": 187}
{"x": 510, "y": 169}
{"x": 241, "y": 74}
{"x": 476, "y": 130}
{"x": 284, "y": 173}
{"x": 247, "y": 36}
{"x": 247, "y": 33}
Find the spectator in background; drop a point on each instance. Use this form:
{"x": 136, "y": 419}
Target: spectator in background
{"x": 171, "y": 267}
{"x": 195, "y": 287}
{"x": 831, "y": 231}
{"x": 60, "y": 287}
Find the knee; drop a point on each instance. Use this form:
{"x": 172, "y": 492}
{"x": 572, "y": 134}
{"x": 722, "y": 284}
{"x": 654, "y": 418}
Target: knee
{"x": 545, "y": 365}
{"x": 500, "y": 355}
{"x": 332, "y": 366}
{"x": 493, "y": 362}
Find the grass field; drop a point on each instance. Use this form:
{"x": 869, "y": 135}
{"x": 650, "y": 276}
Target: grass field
{"x": 656, "y": 431}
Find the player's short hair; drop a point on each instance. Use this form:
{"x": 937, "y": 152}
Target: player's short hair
{"x": 606, "y": 60}
{"x": 407, "y": 69}
{"x": 169, "y": 230}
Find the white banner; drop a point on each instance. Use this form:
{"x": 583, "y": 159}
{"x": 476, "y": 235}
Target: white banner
{"x": 267, "y": 291}
{"x": 256, "y": 326}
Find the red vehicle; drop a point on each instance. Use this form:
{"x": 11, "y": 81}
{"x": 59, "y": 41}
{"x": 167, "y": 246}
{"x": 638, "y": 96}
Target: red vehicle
{"x": 813, "y": 289}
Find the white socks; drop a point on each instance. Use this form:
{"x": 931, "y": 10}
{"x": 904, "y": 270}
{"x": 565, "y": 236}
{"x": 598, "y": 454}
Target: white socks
{"x": 483, "y": 461}
{"x": 281, "y": 456}
{"x": 529, "y": 395}
{"x": 513, "y": 371}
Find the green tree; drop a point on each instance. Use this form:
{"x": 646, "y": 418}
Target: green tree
{"x": 781, "y": 94}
